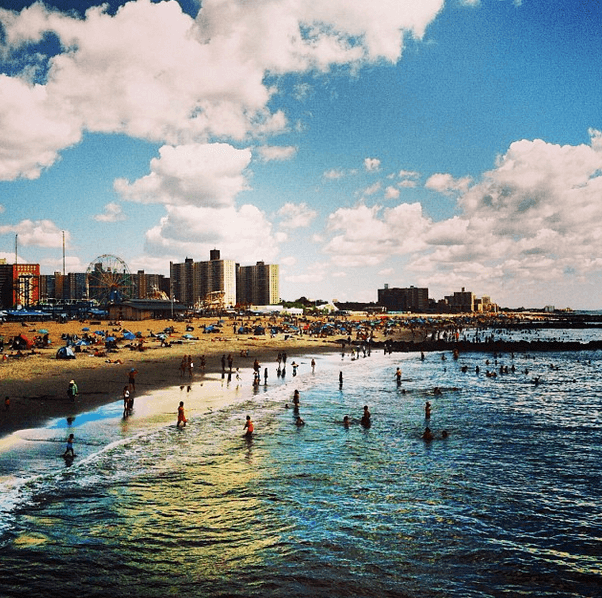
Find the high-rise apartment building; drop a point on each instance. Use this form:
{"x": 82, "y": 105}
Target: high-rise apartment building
{"x": 216, "y": 279}
{"x": 197, "y": 283}
{"x": 258, "y": 285}
{"x": 461, "y": 301}
{"x": 404, "y": 299}
{"x": 150, "y": 286}
{"x": 181, "y": 278}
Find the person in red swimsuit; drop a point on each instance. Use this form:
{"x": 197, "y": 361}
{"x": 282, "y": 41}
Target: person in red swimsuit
{"x": 181, "y": 417}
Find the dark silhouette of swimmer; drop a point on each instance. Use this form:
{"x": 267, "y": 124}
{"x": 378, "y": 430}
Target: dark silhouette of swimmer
{"x": 428, "y": 435}
{"x": 365, "y": 421}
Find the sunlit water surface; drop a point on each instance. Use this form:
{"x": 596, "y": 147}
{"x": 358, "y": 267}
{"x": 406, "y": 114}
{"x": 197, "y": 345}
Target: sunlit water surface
{"x": 507, "y": 505}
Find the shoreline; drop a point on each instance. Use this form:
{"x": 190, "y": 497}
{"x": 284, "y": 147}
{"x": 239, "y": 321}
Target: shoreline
{"x": 36, "y": 383}
{"x": 37, "y": 400}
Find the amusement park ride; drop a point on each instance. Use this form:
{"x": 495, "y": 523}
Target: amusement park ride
{"x": 109, "y": 280}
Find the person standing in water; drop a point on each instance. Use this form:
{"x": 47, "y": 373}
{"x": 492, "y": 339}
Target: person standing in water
{"x": 427, "y": 410}
{"x": 69, "y": 450}
{"x": 181, "y": 416}
{"x": 365, "y": 421}
{"x": 126, "y": 401}
{"x": 249, "y": 427}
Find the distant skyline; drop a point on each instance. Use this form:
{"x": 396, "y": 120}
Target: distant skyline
{"x": 357, "y": 144}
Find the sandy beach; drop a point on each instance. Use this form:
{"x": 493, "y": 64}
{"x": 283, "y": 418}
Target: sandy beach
{"x": 36, "y": 383}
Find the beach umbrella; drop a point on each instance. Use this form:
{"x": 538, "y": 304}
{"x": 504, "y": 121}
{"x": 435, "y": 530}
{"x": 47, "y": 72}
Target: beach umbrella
{"x": 110, "y": 339}
{"x": 101, "y": 332}
{"x": 129, "y": 336}
{"x": 85, "y": 329}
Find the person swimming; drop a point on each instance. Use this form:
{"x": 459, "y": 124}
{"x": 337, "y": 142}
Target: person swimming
{"x": 428, "y": 435}
{"x": 427, "y": 410}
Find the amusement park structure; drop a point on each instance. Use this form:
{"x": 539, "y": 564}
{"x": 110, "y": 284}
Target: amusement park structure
{"x": 109, "y": 280}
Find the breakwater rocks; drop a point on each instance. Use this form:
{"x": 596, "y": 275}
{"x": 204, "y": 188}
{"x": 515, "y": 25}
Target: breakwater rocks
{"x": 498, "y": 346}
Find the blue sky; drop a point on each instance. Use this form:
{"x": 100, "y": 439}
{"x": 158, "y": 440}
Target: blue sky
{"x": 427, "y": 143}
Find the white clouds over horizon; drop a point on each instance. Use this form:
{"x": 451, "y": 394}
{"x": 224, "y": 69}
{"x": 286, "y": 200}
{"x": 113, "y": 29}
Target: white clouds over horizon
{"x": 212, "y": 95}
{"x": 531, "y": 220}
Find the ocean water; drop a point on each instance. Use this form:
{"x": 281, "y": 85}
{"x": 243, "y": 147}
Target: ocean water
{"x": 507, "y": 505}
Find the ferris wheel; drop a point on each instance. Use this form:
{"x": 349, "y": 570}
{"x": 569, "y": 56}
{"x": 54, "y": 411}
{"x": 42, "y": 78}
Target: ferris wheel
{"x": 109, "y": 280}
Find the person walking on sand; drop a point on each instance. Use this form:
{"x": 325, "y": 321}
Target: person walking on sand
{"x": 249, "y": 427}
{"x": 181, "y": 416}
{"x": 313, "y": 366}
{"x": 132, "y": 379}
{"x": 69, "y": 449}
{"x": 72, "y": 390}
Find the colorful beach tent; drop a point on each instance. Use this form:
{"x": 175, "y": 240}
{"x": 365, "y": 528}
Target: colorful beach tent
{"x": 65, "y": 353}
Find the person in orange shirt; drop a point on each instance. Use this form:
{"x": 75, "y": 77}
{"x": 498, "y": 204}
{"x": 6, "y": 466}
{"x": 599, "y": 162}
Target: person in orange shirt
{"x": 181, "y": 417}
{"x": 249, "y": 427}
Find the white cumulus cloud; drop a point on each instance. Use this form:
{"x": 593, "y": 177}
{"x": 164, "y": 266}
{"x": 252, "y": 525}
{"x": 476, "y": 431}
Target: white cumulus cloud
{"x": 210, "y": 174}
{"x": 296, "y": 215}
{"x": 36, "y": 233}
{"x": 268, "y": 153}
{"x": 112, "y": 213}
{"x": 372, "y": 164}
{"x": 152, "y": 71}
